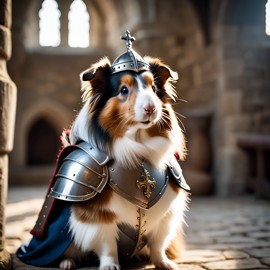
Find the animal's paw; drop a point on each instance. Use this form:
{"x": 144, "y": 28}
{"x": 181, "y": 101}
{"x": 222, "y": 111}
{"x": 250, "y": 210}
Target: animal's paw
{"x": 166, "y": 265}
{"x": 67, "y": 264}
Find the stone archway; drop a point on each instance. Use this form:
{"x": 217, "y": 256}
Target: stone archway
{"x": 52, "y": 118}
{"x": 55, "y": 114}
{"x": 42, "y": 144}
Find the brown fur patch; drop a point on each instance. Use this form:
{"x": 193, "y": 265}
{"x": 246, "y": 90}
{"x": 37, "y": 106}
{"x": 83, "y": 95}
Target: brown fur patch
{"x": 94, "y": 210}
{"x": 157, "y": 130}
{"x": 111, "y": 118}
{"x": 116, "y": 117}
{"x": 176, "y": 247}
{"x": 127, "y": 80}
{"x": 148, "y": 78}
{"x": 118, "y": 114}
{"x": 163, "y": 126}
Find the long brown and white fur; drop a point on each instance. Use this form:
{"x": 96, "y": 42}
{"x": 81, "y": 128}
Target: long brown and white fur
{"x": 129, "y": 116}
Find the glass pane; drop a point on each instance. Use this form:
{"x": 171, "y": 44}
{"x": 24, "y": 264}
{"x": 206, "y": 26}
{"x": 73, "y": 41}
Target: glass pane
{"x": 49, "y": 24}
{"x": 267, "y": 18}
{"x": 78, "y": 25}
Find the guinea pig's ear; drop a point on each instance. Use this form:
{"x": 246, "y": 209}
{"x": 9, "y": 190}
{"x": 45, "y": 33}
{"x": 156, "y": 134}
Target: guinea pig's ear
{"x": 92, "y": 72}
{"x": 88, "y": 75}
{"x": 163, "y": 77}
{"x": 161, "y": 71}
{"x": 166, "y": 73}
{"x": 94, "y": 80}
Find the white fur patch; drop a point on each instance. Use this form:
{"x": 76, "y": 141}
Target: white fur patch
{"x": 90, "y": 236}
{"x": 136, "y": 144}
{"x": 145, "y": 99}
{"x": 80, "y": 127}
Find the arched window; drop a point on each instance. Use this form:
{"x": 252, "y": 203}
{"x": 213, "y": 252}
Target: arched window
{"x": 42, "y": 144}
{"x": 267, "y": 18}
{"x": 49, "y": 24}
{"x": 78, "y": 25}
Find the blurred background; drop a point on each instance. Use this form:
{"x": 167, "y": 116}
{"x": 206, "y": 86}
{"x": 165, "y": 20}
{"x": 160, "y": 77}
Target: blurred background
{"x": 220, "y": 50}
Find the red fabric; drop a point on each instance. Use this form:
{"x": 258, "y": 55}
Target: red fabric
{"x": 176, "y": 154}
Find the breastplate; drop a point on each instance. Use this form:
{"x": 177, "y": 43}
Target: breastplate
{"x": 142, "y": 186}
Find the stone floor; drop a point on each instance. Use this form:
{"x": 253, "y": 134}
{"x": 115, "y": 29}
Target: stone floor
{"x": 222, "y": 234}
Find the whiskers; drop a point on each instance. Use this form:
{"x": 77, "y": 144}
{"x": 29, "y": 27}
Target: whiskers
{"x": 180, "y": 122}
{"x": 165, "y": 120}
{"x": 118, "y": 122}
{"x": 171, "y": 124}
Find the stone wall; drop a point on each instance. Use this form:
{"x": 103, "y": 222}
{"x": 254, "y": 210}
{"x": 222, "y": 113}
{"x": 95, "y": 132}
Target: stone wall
{"x": 7, "y": 117}
{"x": 227, "y": 81}
{"x": 243, "y": 97}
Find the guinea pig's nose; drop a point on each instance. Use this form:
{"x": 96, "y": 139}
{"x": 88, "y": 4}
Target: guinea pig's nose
{"x": 149, "y": 109}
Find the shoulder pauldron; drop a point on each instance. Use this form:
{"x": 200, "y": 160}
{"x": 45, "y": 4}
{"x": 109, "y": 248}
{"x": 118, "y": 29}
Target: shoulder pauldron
{"x": 82, "y": 175}
{"x": 176, "y": 173}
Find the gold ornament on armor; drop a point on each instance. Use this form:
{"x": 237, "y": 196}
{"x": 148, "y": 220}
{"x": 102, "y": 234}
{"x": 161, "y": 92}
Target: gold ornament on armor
{"x": 146, "y": 183}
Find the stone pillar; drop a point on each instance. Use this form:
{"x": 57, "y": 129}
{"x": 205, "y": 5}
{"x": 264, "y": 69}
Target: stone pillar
{"x": 7, "y": 119}
{"x": 64, "y": 7}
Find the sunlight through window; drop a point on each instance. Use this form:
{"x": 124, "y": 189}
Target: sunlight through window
{"x": 78, "y": 25}
{"x": 267, "y": 18}
{"x": 49, "y": 24}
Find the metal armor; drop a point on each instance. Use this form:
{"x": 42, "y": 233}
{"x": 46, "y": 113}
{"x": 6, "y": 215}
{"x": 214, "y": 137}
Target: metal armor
{"x": 130, "y": 60}
{"x": 86, "y": 170}
{"x": 142, "y": 186}
{"x": 82, "y": 174}
{"x": 83, "y": 171}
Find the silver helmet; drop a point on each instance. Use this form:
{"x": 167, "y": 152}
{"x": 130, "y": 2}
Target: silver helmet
{"x": 129, "y": 60}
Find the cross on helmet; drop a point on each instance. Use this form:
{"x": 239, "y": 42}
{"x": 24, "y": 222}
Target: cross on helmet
{"x": 129, "y": 60}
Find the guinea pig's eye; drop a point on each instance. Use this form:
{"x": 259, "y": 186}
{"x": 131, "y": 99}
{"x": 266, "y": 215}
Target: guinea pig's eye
{"x": 154, "y": 88}
{"x": 124, "y": 91}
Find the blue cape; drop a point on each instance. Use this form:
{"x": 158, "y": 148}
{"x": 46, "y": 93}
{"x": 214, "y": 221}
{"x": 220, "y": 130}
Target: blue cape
{"x": 47, "y": 249}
